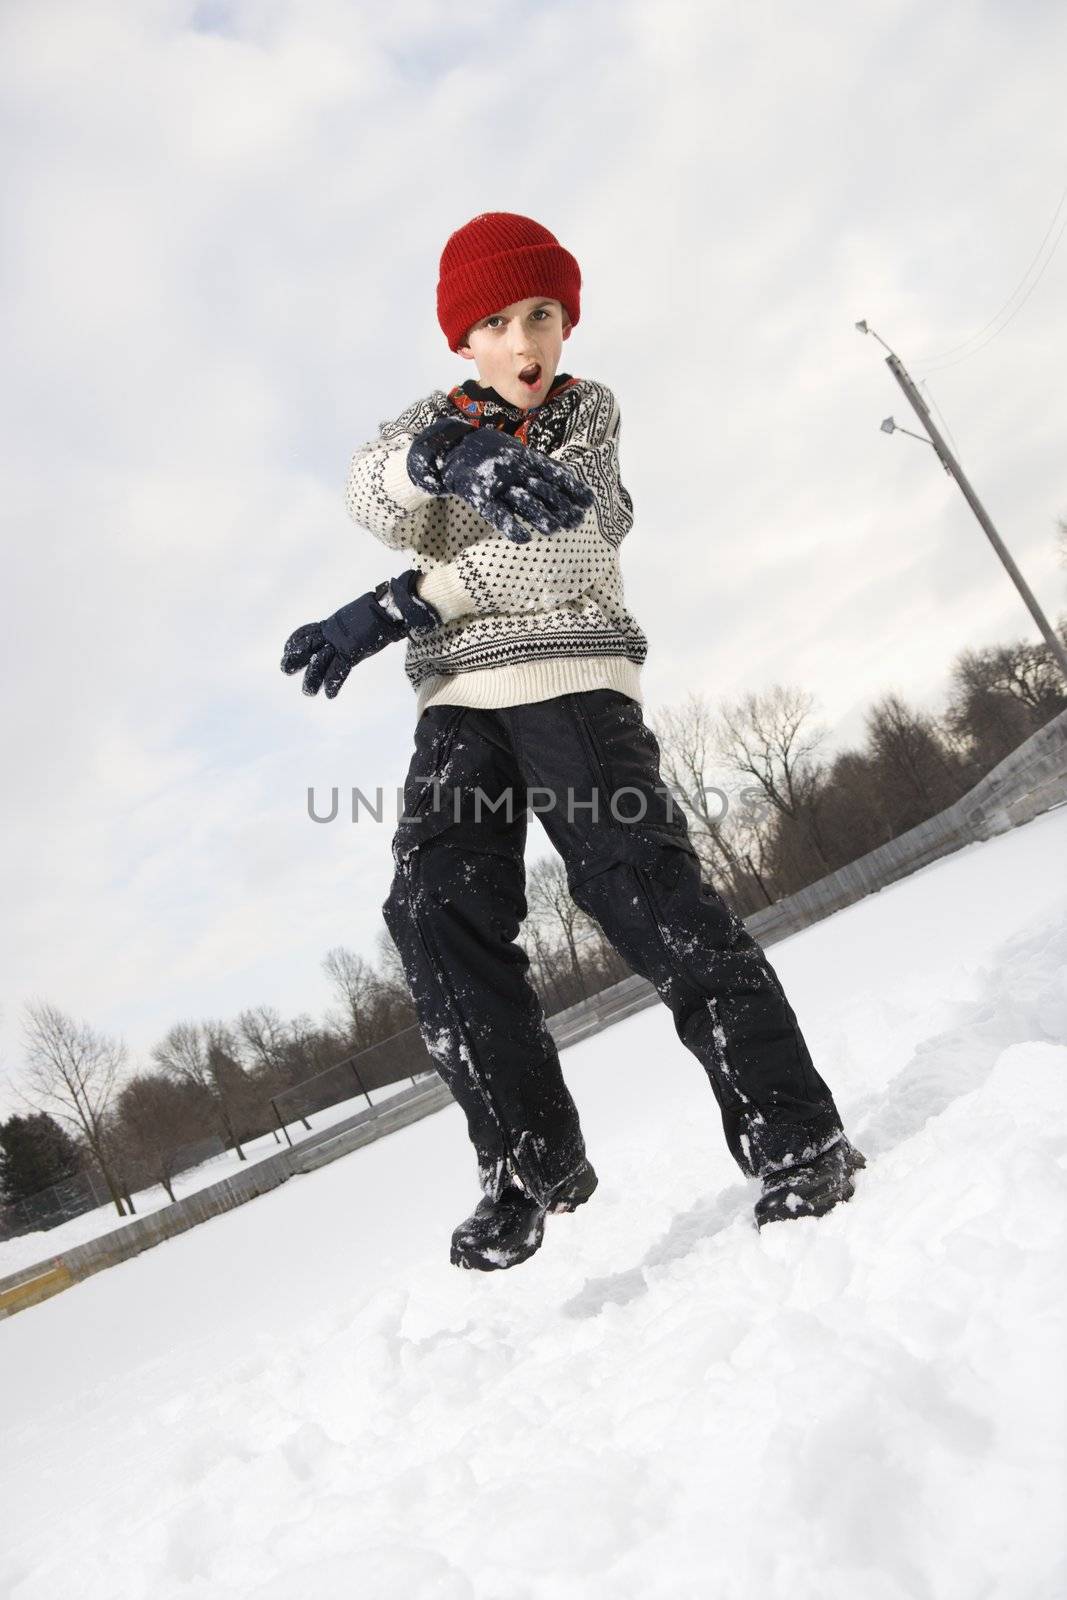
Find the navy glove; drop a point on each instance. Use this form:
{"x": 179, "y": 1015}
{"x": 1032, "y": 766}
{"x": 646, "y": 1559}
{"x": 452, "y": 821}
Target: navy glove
{"x": 330, "y": 649}
{"x": 430, "y": 449}
{"x": 501, "y": 478}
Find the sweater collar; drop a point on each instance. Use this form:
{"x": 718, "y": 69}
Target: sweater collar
{"x": 476, "y": 399}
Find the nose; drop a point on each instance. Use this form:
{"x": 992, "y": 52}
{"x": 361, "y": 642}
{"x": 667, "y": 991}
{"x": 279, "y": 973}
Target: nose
{"x": 521, "y": 343}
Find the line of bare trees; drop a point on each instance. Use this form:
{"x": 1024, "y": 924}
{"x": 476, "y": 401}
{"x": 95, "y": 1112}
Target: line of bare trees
{"x": 209, "y": 1085}
{"x": 797, "y": 817}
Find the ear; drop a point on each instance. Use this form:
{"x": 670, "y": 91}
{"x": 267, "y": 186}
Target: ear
{"x": 466, "y": 352}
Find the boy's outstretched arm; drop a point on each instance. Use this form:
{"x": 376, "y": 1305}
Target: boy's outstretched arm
{"x": 329, "y": 649}
{"x": 379, "y": 492}
{"x": 497, "y": 575}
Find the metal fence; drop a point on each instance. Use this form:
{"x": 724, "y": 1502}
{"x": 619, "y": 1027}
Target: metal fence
{"x": 86, "y": 1190}
{"x": 380, "y": 1066}
{"x": 83, "y": 1191}
{"x": 403, "y": 1055}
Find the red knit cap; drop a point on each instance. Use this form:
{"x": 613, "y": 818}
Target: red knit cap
{"x": 496, "y": 259}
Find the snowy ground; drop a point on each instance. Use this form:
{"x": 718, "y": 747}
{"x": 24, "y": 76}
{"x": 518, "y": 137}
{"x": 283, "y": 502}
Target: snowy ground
{"x": 304, "y": 1398}
{"x": 26, "y": 1249}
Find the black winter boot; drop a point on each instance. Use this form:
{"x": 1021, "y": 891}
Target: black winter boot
{"x": 809, "y": 1188}
{"x": 501, "y": 1233}
{"x": 575, "y": 1190}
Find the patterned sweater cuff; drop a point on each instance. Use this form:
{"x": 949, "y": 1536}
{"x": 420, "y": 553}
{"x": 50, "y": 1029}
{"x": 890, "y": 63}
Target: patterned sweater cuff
{"x": 398, "y": 486}
{"x": 443, "y": 588}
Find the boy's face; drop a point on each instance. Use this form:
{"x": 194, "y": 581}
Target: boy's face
{"x": 519, "y": 338}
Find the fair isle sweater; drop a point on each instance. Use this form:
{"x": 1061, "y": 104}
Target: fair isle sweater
{"x": 520, "y": 622}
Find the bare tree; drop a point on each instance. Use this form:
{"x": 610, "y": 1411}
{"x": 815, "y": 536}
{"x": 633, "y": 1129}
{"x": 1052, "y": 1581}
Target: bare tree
{"x": 916, "y": 775}
{"x": 195, "y": 1054}
{"x": 244, "y": 1097}
{"x": 388, "y": 962}
{"x": 767, "y": 737}
{"x": 265, "y": 1036}
{"x": 689, "y": 738}
{"x": 546, "y": 961}
{"x": 72, "y": 1071}
{"x": 267, "y": 1042}
{"x": 852, "y": 809}
{"x": 999, "y": 696}
{"x": 311, "y": 1049}
{"x": 357, "y": 985}
{"x": 397, "y": 1009}
{"x": 1027, "y": 672}
{"x": 549, "y": 901}
{"x": 156, "y": 1117}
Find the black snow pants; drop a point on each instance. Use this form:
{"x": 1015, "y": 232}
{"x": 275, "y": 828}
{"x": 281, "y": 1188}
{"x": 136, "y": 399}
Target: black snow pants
{"x": 588, "y": 766}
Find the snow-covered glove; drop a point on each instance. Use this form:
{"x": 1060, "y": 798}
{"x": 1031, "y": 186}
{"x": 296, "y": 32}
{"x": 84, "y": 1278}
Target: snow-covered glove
{"x": 499, "y": 477}
{"x": 430, "y": 449}
{"x": 330, "y": 649}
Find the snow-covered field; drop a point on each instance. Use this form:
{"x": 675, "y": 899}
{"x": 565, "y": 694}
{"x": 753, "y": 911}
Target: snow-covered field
{"x": 26, "y": 1249}
{"x": 304, "y": 1398}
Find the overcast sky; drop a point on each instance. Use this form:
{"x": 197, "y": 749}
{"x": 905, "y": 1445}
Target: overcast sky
{"x": 220, "y": 235}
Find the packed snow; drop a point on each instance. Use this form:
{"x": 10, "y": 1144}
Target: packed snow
{"x": 304, "y": 1397}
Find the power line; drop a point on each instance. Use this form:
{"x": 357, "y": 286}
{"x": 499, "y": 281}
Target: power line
{"x": 924, "y": 361}
{"x": 946, "y": 364}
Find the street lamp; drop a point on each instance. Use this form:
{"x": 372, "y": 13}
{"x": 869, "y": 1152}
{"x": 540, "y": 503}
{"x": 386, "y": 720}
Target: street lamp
{"x": 889, "y": 426}
{"x": 950, "y": 464}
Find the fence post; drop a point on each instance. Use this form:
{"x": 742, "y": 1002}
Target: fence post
{"x": 359, "y": 1082}
{"x": 281, "y": 1124}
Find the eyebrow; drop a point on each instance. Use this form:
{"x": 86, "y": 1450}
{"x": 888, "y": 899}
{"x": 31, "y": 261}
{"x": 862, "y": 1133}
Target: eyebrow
{"x": 537, "y": 307}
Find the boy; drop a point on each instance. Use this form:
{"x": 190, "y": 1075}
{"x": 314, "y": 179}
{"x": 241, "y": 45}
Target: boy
{"x": 526, "y": 664}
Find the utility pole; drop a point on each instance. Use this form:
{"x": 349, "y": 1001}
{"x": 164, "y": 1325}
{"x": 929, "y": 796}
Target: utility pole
{"x": 950, "y": 464}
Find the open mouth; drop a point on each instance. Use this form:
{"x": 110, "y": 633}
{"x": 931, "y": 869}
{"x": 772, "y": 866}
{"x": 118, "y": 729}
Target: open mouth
{"x": 531, "y": 376}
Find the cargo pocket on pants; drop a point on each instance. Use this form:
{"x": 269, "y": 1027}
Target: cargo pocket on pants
{"x": 661, "y": 852}
{"x": 427, "y": 803}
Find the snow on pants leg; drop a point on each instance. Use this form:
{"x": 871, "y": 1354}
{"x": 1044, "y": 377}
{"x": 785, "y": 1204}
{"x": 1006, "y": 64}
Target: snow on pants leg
{"x": 456, "y": 904}
{"x": 632, "y": 867}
